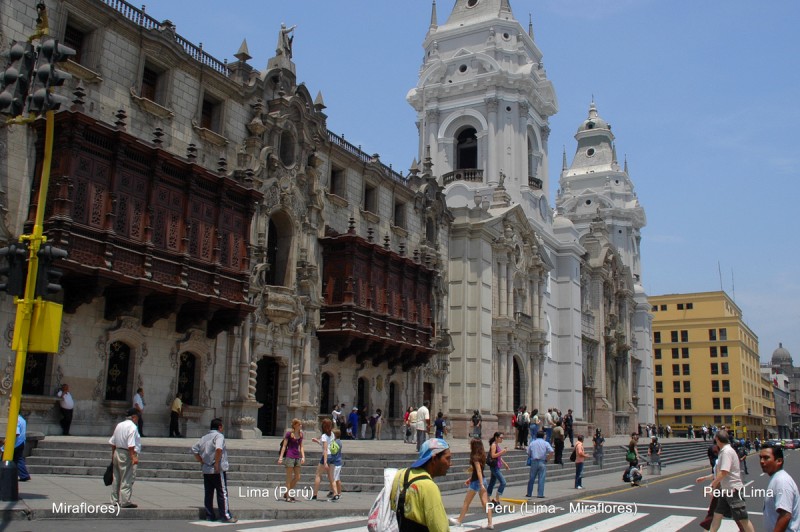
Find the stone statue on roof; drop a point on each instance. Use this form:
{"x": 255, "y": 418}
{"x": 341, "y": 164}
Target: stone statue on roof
{"x": 285, "y": 39}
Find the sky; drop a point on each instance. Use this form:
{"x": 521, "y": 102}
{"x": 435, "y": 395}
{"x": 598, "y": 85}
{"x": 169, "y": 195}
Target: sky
{"x": 702, "y": 97}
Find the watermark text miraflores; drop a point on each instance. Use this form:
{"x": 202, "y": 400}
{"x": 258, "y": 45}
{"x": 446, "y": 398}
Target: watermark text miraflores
{"x": 86, "y": 508}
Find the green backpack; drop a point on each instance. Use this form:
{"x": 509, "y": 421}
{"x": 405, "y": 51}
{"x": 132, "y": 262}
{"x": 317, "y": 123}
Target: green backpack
{"x": 334, "y": 447}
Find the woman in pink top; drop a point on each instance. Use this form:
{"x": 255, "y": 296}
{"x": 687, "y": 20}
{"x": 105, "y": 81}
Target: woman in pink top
{"x": 292, "y": 449}
{"x": 580, "y": 456}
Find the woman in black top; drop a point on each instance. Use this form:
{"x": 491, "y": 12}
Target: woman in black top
{"x": 476, "y": 483}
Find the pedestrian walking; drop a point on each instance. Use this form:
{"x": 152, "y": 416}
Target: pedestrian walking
{"x": 352, "y": 423}
{"x": 477, "y": 421}
{"x": 580, "y": 456}
{"x": 378, "y": 423}
{"x": 496, "y": 464}
{"x": 567, "y": 424}
{"x": 423, "y": 423}
{"x": 138, "y": 404}
{"x": 439, "y": 425}
{"x": 654, "y": 456}
{"x": 535, "y": 426}
{"x": 19, "y": 449}
{"x": 598, "y": 440}
{"x": 713, "y": 453}
{"x": 423, "y": 504}
{"x": 125, "y": 449}
{"x": 66, "y": 405}
{"x": 781, "y": 499}
{"x": 211, "y": 452}
{"x": 728, "y": 479}
{"x": 476, "y": 483}
{"x": 549, "y": 425}
{"x": 329, "y": 445}
{"x": 412, "y": 425}
{"x": 558, "y": 443}
{"x": 174, "y": 414}
{"x": 336, "y": 462}
{"x": 538, "y": 451}
{"x": 293, "y": 456}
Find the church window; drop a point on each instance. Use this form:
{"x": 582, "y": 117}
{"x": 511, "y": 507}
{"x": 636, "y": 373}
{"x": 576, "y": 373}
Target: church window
{"x": 590, "y": 152}
{"x": 287, "y": 148}
{"x": 472, "y": 3}
{"x": 462, "y": 68}
{"x": 371, "y": 199}
{"x": 279, "y": 245}
{"x": 399, "y": 214}
{"x": 188, "y": 379}
{"x": 337, "y": 183}
{"x": 154, "y": 84}
{"x": 211, "y": 114}
{"x": 75, "y": 38}
{"x": 467, "y": 149}
{"x": 326, "y": 394}
{"x": 37, "y": 373}
{"x": 119, "y": 365}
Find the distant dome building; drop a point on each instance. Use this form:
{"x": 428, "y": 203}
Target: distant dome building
{"x": 781, "y": 357}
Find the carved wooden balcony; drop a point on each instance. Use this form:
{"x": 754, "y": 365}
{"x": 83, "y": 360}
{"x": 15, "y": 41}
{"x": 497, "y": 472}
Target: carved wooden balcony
{"x": 145, "y": 228}
{"x": 377, "y": 304}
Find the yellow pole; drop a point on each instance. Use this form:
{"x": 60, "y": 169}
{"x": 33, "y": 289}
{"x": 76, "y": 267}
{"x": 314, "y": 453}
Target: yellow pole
{"x": 25, "y": 305}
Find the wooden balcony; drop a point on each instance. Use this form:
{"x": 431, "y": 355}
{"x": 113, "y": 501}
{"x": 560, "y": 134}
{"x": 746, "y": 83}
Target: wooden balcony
{"x": 377, "y": 304}
{"x": 145, "y": 228}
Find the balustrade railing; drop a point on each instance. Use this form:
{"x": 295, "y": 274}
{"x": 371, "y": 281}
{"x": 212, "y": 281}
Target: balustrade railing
{"x": 464, "y": 174}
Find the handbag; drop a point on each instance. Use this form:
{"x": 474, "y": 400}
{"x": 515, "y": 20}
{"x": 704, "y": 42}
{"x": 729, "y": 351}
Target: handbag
{"x": 630, "y": 456}
{"x": 529, "y": 461}
{"x": 108, "y": 476}
{"x": 573, "y": 456}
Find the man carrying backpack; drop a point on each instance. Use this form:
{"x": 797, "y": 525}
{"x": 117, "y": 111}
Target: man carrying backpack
{"x": 422, "y": 507}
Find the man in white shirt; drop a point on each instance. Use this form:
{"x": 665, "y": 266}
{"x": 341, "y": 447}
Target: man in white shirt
{"x": 729, "y": 481}
{"x": 548, "y": 425}
{"x": 125, "y": 449}
{"x": 335, "y": 415}
{"x": 66, "y": 404}
{"x": 782, "y": 499}
{"x": 423, "y": 424}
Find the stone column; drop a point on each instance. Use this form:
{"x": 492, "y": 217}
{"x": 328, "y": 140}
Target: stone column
{"x": 431, "y": 136}
{"x": 502, "y": 263}
{"x": 509, "y": 290}
{"x": 503, "y": 374}
{"x": 491, "y": 168}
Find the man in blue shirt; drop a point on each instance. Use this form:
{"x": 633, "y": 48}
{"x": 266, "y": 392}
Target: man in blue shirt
{"x": 352, "y": 422}
{"x": 19, "y": 450}
{"x": 538, "y": 452}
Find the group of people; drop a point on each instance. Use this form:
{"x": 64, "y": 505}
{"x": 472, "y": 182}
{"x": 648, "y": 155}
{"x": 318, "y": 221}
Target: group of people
{"x": 557, "y": 427}
{"x": 418, "y": 423}
{"x": 354, "y": 425}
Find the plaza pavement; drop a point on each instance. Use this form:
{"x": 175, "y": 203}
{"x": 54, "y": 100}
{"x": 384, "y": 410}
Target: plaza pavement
{"x": 65, "y": 496}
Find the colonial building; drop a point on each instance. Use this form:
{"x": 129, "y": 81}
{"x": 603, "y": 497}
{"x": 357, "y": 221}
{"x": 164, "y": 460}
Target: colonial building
{"x": 224, "y": 244}
{"x": 706, "y": 365}
{"x": 785, "y": 371}
{"x": 544, "y": 311}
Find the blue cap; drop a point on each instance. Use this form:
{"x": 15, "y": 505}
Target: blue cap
{"x": 430, "y": 449}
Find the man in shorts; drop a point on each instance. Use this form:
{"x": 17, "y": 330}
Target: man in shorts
{"x": 729, "y": 481}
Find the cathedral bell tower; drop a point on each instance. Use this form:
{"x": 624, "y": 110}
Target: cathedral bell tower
{"x": 483, "y": 101}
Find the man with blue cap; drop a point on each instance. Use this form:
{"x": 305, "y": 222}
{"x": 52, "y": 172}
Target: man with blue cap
{"x": 423, "y": 508}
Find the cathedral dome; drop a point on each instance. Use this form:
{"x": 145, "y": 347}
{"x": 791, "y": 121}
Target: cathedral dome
{"x": 593, "y": 121}
{"x": 781, "y": 356}
{"x": 562, "y": 222}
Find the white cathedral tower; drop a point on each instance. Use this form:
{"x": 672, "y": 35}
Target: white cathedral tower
{"x": 520, "y": 332}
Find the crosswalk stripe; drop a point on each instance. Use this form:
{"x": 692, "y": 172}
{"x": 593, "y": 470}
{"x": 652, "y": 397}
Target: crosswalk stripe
{"x": 612, "y": 523}
{"x": 728, "y": 526}
{"x": 553, "y": 522}
{"x": 307, "y": 525}
{"x": 214, "y": 524}
{"x": 673, "y": 522}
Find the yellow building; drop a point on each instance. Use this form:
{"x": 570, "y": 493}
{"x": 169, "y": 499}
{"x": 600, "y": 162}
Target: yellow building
{"x": 706, "y": 366}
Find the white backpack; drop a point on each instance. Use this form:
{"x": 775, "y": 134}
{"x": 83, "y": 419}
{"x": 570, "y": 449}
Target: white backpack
{"x": 381, "y": 518}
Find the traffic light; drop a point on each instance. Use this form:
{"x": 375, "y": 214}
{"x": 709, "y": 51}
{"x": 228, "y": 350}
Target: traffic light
{"x": 16, "y": 269}
{"x": 48, "y": 278}
{"x": 16, "y": 78}
{"x": 47, "y": 76}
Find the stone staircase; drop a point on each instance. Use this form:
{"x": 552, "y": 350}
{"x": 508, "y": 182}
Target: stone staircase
{"x": 361, "y": 471}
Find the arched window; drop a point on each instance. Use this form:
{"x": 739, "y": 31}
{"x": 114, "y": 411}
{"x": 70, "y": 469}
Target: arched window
{"x": 517, "y": 384}
{"x": 187, "y": 377}
{"x": 467, "y": 149}
{"x": 326, "y": 394}
{"x": 279, "y": 246}
{"x": 119, "y": 364}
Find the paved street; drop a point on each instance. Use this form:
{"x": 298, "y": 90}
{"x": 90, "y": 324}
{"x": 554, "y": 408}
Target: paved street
{"x": 668, "y": 503}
